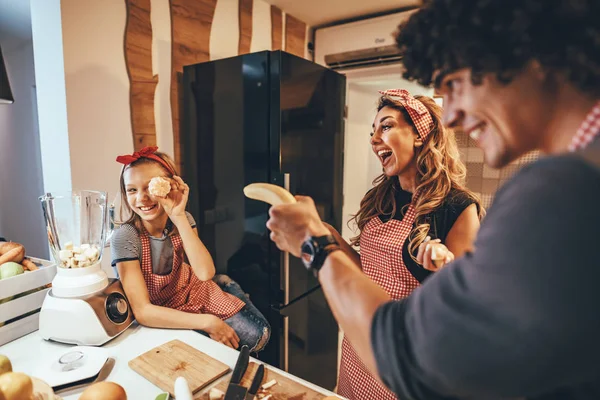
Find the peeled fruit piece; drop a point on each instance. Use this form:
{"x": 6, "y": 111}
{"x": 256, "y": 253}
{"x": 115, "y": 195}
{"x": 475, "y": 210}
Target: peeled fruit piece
{"x": 159, "y": 186}
{"x": 269, "y": 193}
{"x": 5, "y": 365}
{"x": 104, "y": 391}
{"x": 438, "y": 254}
{"x": 10, "y": 269}
{"x": 16, "y": 386}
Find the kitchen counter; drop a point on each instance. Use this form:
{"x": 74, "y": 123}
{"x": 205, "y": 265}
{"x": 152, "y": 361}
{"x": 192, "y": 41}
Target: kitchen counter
{"x": 29, "y": 351}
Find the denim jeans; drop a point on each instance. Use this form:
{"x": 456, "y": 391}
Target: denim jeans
{"x": 251, "y": 326}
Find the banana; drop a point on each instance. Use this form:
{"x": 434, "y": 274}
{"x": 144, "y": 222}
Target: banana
{"x": 272, "y": 194}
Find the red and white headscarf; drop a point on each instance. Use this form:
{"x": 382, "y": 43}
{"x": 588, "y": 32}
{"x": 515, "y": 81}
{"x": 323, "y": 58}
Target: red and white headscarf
{"x": 416, "y": 110}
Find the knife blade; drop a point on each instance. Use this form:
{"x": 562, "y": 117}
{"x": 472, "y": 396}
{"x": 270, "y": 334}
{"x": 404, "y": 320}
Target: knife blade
{"x": 235, "y": 391}
{"x": 256, "y": 381}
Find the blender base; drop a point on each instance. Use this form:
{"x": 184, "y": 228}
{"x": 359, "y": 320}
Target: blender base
{"x": 90, "y": 320}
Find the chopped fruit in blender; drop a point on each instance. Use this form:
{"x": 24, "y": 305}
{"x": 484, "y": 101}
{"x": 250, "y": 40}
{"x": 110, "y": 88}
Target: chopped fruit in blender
{"x": 85, "y": 256}
{"x": 159, "y": 186}
{"x": 65, "y": 255}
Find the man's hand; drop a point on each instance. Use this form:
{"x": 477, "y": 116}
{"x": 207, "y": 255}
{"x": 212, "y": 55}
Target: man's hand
{"x": 292, "y": 224}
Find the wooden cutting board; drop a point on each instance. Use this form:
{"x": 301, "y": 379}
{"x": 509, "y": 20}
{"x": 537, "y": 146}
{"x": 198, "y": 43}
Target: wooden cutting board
{"x": 165, "y": 363}
{"x": 285, "y": 389}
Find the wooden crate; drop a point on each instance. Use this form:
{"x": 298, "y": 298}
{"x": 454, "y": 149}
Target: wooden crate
{"x": 21, "y": 298}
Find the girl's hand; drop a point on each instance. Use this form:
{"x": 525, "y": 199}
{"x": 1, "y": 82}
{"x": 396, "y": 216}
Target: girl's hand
{"x": 175, "y": 202}
{"x": 424, "y": 255}
{"x": 221, "y": 332}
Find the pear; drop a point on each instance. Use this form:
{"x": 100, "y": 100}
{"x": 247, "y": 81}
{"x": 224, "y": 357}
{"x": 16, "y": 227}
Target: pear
{"x": 5, "y": 365}
{"x": 16, "y": 386}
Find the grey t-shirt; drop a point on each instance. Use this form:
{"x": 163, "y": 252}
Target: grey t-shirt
{"x": 126, "y": 245}
{"x": 518, "y": 317}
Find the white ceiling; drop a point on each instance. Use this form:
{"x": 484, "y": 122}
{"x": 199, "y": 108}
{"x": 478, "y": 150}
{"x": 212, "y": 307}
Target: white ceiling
{"x": 15, "y": 19}
{"x": 322, "y": 12}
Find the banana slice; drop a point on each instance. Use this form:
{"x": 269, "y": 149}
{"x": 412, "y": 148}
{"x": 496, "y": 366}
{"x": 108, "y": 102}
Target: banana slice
{"x": 272, "y": 194}
{"x": 438, "y": 254}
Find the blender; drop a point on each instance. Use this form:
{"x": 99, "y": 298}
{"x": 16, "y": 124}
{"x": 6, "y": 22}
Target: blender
{"x": 84, "y": 306}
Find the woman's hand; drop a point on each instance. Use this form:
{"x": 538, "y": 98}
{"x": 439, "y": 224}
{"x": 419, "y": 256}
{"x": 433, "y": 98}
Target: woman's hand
{"x": 221, "y": 332}
{"x": 291, "y": 224}
{"x": 424, "y": 256}
{"x": 175, "y": 202}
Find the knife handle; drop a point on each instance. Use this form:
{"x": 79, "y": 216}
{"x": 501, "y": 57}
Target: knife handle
{"x": 241, "y": 365}
{"x": 258, "y": 378}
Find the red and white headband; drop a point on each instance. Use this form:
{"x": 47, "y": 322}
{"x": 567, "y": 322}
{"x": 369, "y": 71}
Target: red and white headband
{"x": 416, "y": 110}
{"x": 146, "y": 152}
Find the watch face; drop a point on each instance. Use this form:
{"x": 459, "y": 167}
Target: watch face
{"x": 308, "y": 254}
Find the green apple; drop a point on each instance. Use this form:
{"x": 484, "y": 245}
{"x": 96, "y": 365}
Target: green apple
{"x": 10, "y": 269}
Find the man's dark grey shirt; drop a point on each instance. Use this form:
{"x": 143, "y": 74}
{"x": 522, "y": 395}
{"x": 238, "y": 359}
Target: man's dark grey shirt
{"x": 520, "y": 316}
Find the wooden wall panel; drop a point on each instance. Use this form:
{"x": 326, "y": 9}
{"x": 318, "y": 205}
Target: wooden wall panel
{"x": 191, "y": 21}
{"x": 245, "y": 7}
{"x": 142, "y": 83}
{"x": 276, "y": 29}
{"x": 295, "y": 36}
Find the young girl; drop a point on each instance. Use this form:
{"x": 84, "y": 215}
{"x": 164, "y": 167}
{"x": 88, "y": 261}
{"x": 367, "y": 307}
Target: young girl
{"x": 167, "y": 273}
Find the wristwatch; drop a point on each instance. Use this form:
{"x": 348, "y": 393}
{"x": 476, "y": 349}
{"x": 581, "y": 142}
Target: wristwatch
{"x": 316, "y": 249}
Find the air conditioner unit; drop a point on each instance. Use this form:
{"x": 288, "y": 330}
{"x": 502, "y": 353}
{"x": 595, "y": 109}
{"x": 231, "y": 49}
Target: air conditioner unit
{"x": 359, "y": 44}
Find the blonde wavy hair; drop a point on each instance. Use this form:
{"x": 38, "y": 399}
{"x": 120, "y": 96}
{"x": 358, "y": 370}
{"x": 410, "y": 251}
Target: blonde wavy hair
{"x": 439, "y": 171}
{"x": 126, "y": 214}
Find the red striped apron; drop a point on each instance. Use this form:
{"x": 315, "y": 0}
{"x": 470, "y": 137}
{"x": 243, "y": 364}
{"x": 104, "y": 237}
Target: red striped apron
{"x": 381, "y": 247}
{"x": 181, "y": 289}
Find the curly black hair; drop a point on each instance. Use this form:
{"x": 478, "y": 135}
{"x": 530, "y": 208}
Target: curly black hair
{"x": 501, "y": 37}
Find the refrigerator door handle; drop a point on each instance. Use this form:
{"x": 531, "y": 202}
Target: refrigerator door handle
{"x": 286, "y": 255}
{"x": 286, "y": 292}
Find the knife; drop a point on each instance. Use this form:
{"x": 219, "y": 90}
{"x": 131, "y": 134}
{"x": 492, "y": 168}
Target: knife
{"x": 235, "y": 391}
{"x": 256, "y": 381}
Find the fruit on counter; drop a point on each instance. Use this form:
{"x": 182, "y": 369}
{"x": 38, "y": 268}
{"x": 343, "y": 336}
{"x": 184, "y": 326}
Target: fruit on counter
{"x": 5, "y": 365}
{"x": 104, "y": 391}
{"x": 159, "y": 186}
{"x": 163, "y": 396}
{"x": 10, "y": 269}
{"x": 42, "y": 391}
{"x": 78, "y": 257}
{"x": 215, "y": 394}
{"x": 11, "y": 251}
{"x": 16, "y": 386}
{"x": 272, "y": 194}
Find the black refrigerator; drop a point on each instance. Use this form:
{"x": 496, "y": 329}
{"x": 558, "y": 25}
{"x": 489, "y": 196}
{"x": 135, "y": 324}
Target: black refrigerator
{"x": 267, "y": 117}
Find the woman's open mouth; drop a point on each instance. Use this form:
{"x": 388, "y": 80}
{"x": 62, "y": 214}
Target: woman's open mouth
{"x": 384, "y": 156}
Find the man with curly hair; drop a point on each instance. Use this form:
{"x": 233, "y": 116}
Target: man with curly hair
{"x": 518, "y": 317}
